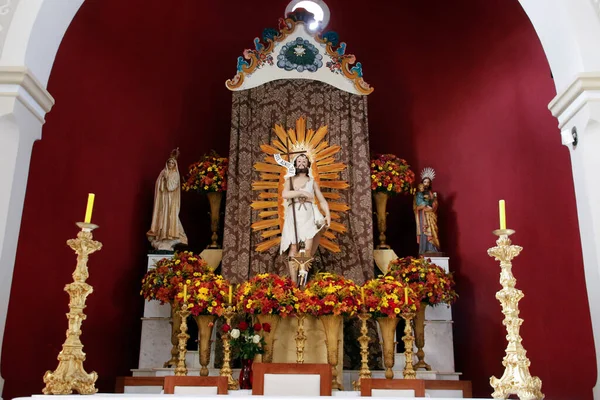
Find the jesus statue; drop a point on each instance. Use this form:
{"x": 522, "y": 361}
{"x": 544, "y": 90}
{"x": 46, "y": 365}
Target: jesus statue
{"x": 303, "y": 223}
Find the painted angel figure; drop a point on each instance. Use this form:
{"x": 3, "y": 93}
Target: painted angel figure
{"x": 425, "y": 206}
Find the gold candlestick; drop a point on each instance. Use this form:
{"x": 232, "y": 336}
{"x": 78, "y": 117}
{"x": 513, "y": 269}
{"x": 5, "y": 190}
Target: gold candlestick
{"x": 408, "y": 339}
{"x": 300, "y": 338}
{"x": 70, "y": 375}
{"x": 364, "y": 340}
{"x": 181, "y": 369}
{"x": 516, "y": 378}
{"x": 232, "y": 384}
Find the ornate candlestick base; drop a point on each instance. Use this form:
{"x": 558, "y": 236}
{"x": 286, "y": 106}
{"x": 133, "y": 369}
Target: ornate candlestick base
{"x": 408, "y": 339}
{"x": 516, "y": 378}
{"x": 70, "y": 375}
{"x": 300, "y": 338}
{"x": 181, "y": 369}
{"x": 364, "y": 340}
{"x": 232, "y": 384}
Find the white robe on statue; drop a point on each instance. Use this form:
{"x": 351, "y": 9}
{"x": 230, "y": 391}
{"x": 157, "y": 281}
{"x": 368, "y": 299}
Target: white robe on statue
{"x": 309, "y": 220}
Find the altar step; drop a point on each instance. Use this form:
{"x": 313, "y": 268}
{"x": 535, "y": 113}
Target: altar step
{"x": 348, "y": 375}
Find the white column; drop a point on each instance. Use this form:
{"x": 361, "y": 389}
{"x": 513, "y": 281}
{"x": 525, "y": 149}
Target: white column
{"x": 578, "y": 107}
{"x": 23, "y": 104}
{"x": 30, "y": 33}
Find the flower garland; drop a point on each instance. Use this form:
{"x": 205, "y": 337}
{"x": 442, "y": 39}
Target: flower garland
{"x": 328, "y": 294}
{"x": 267, "y": 294}
{"x": 166, "y": 280}
{"x": 207, "y": 175}
{"x": 429, "y": 280}
{"x": 388, "y": 297}
{"x": 390, "y": 174}
{"x": 246, "y": 342}
{"x": 206, "y": 295}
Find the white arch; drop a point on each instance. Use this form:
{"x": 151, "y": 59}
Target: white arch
{"x": 33, "y": 29}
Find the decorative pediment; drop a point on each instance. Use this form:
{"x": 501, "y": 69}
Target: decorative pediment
{"x": 294, "y": 52}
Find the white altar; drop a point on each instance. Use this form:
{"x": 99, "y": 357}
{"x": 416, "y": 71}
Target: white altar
{"x": 156, "y": 344}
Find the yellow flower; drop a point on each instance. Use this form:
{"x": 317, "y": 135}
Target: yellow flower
{"x": 379, "y": 184}
{"x": 188, "y": 282}
{"x": 209, "y": 309}
{"x": 397, "y": 310}
{"x": 214, "y": 303}
{"x": 373, "y": 176}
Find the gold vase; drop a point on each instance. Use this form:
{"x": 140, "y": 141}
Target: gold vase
{"x": 380, "y": 210}
{"x": 419, "y": 322}
{"x": 333, "y": 326}
{"x": 214, "y": 200}
{"x": 205, "y": 325}
{"x": 269, "y": 337}
{"x": 388, "y": 330}
{"x": 175, "y": 329}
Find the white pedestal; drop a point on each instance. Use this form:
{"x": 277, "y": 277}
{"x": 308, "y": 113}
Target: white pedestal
{"x": 155, "y": 344}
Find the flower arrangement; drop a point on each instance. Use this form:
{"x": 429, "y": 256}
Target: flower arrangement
{"x": 205, "y": 294}
{"x": 246, "y": 341}
{"x": 328, "y": 294}
{"x": 387, "y": 297}
{"x": 207, "y": 175}
{"x": 390, "y": 174}
{"x": 267, "y": 294}
{"x": 433, "y": 284}
{"x": 166, "y": 280}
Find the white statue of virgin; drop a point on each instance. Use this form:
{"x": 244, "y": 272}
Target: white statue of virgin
{"x": 166, "y": 230}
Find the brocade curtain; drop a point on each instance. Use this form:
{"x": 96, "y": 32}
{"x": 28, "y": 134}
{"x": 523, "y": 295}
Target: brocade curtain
{"x": 254, "y": 114}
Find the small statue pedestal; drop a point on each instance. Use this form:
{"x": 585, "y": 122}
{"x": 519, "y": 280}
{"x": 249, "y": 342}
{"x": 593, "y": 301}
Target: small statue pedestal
{"x": 212, "y": 257}
{"x": 383, "y": 257}
{"x": 155, "y": 345}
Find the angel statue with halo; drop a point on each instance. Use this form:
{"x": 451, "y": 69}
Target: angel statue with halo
{"x": 425, "y": 205}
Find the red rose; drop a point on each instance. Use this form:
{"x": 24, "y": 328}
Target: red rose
{"x": 266, "y": 327}
{"x": 257, "y": 327}
{"x": 243, "y": 326}
{"x": 225, "y": 328}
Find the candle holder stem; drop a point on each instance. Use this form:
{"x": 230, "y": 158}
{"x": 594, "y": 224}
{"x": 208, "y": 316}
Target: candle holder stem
{"x": 181, "y": 369}
{"x": 408, "y": 339}
{"x": 516, "y": 378}
{"x": 232, "y": 384}
{"x": 70, "y": 375}
{"x": 300, "y": 338}
{"x": 364, "y": 340}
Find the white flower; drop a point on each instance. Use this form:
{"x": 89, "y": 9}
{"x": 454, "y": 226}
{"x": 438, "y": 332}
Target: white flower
{"x": 235, "y": 333}
{"x": 256, "y": 339}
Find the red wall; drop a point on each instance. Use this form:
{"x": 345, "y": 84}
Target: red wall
{"x": 461, "y": 86}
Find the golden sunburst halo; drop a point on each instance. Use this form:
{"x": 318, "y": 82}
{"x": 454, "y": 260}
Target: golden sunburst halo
{"x": 325, "y": 170}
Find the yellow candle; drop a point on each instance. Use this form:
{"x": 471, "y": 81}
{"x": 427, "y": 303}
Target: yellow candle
{"x": 230, "y": 294}
{"x": 184, "y": 293}
{"x": 502, "y": 205}
{"x": 362, "y": 293}
{"x": 405, "y": 295}
{"x": 90, "y": 206}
